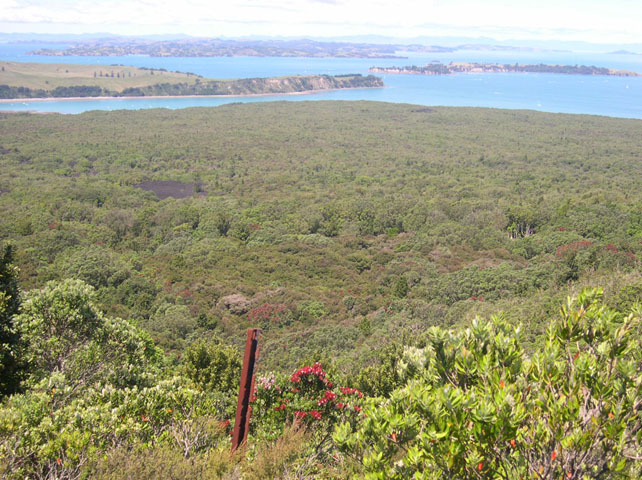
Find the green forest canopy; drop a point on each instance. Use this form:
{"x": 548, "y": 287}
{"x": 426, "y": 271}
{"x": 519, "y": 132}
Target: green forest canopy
{"x": 384, "y": 219}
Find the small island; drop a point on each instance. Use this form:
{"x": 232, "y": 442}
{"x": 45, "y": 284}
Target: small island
{"x": 37, "y": 80}
{"x": 438, "y": 68}
{"x": 623, "y": 52}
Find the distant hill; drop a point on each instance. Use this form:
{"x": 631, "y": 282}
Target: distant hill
{"x": 260, "y": 47}
{"x": 216, "y": 47}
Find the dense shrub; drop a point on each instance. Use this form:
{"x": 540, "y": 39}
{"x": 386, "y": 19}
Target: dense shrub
{"x": 213, "y": 366}
{"x": 11, "y": 364}
{"x": 475, "y": 406}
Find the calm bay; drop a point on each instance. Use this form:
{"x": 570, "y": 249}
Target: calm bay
{"x": 598, "y": 95}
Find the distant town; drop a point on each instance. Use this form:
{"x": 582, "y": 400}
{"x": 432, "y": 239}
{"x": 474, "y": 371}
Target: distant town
{"x": 465, "y": 67}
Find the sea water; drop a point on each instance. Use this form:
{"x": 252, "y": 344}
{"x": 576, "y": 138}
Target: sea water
{"x": 598, "y": 95}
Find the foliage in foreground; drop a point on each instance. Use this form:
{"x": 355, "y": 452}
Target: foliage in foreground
{"x": 475, "y": 406}
{"x": 100, "y": 402}
{"x": 94, "y": 383}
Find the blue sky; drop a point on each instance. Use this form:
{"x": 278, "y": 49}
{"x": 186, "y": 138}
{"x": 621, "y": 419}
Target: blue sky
{"x": 604, "y": 21}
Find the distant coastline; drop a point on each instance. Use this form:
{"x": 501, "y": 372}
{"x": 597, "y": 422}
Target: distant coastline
{"x": 216, "y": 47}
{"x": 465, "y": 67}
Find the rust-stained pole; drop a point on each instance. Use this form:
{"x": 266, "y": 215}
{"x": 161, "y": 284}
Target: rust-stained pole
{"x": 246, "y": 390}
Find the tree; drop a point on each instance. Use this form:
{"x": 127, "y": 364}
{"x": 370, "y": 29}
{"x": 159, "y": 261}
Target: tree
{"x": 383, "y": 377}
{"x": 213, "y": 366}
{"x": 222, "y": 223}
{"x": 522, "y": 221}
{"x": 10, "y": 365}
{"x": 400, "y": 289}
{"x": 65, "y": 333}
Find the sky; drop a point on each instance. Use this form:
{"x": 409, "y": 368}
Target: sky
{"x": 598, "y": 21}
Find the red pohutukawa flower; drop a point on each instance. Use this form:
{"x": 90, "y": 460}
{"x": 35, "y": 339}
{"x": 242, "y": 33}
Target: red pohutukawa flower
{"x": 309, "y": 373}
{"x": 351, "y": 391}
{"x": 328, "y": 397}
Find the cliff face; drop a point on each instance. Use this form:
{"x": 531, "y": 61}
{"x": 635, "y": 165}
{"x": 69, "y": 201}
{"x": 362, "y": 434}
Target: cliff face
{"x": 255, "y": 86}
{"x": 244, "y": 86}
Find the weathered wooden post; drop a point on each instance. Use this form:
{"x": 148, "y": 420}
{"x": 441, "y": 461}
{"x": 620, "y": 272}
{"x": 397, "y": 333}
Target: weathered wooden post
{"x": 246, "y": 390}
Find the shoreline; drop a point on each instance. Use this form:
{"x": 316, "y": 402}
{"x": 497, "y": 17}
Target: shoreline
{"x": 157, "y": 97}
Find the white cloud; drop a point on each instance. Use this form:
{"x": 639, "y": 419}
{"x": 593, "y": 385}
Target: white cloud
{"x": 616, "y": 20}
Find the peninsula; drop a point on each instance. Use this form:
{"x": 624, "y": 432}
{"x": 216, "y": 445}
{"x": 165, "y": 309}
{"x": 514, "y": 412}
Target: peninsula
{"x": 37, "y": 80}
{"x": 465, "y": 67}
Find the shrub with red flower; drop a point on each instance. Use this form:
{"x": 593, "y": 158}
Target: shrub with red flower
{"x": 351, "y": 391}
{"x": 310, "y": 376}
{"x": 571, "y": 248}
{"x": 269, "y": 314}
{"x": 619, "y": 257}
{"x": 306, "y": 397}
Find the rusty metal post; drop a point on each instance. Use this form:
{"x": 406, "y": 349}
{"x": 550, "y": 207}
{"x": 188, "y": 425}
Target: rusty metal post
{"x": 246, "y": 390}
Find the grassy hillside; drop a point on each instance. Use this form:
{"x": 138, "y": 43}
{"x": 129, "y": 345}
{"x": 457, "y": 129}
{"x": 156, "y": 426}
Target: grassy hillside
{"x": 36, "y": 80}
{"x": 48, "y": 76}
{"x": 382, "y": 219}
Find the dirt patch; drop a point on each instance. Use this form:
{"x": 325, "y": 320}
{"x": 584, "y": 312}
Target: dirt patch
{"x": 5, "y": 151}
{"x": 4, "y": 190}
{"x": 168, "y": 188}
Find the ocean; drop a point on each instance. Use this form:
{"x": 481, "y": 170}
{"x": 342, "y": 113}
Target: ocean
{"x": 597, "y": 95}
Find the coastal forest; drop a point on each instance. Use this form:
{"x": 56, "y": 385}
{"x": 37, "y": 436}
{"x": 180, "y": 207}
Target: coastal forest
{"x": 442, "y": 292}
